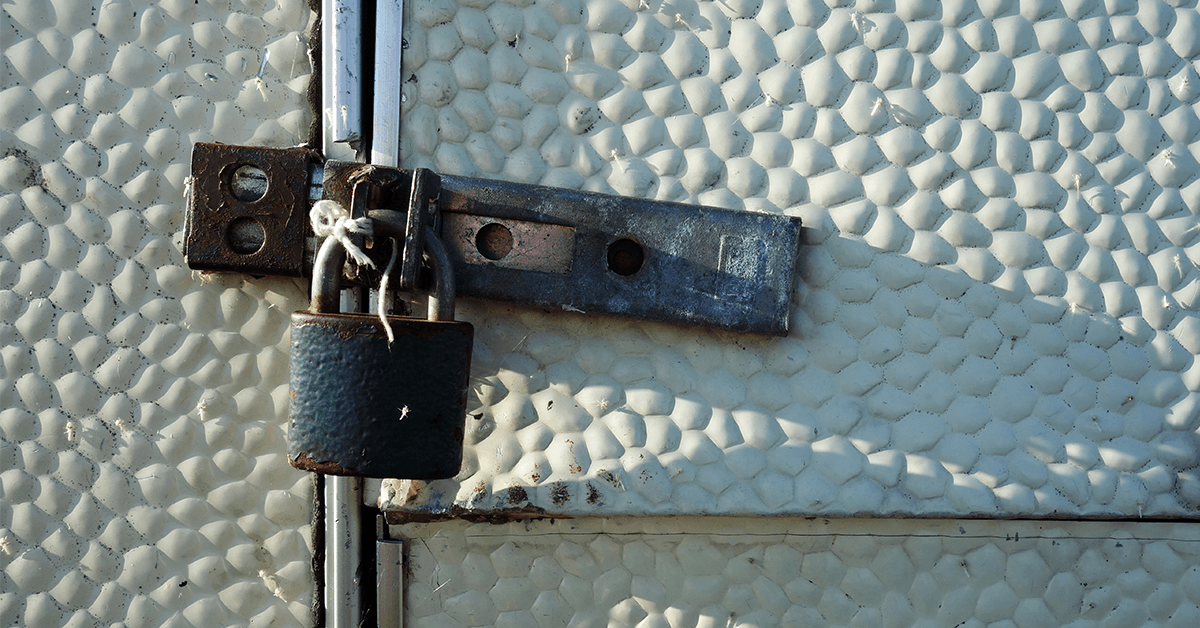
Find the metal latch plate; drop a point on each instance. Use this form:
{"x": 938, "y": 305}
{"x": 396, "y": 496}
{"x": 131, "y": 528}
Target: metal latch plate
{"x": 248, "y": 209}
{"x": 600, "y": 253}
{"x": 551, "y": 247}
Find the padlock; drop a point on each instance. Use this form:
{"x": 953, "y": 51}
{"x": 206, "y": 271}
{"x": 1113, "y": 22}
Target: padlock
{"x": 360, "y": 406}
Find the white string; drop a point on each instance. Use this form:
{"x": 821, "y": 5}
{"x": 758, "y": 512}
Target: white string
{"x": 331, "y": 220}
{"x": 383, "y": 291}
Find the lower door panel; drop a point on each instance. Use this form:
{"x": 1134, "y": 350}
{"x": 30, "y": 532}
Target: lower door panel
{"x": 693, "y": 571}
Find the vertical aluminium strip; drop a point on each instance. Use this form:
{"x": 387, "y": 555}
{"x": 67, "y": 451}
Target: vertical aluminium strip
{"x": 385, "y": 89}
{"x": 389, "y": 578}
{"x": 341, "y": 102}
{"x": 385, "y": 127}
{"x": 341, "y": 71}
{"x": 385, "y": 124}
{"x": 385, "y": 151}
{"x": 343, "y": 551}
{"x": 341, "y": 105}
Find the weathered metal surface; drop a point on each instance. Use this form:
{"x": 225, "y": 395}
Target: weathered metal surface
{"x": 375, "y": 410}
{"x": 505, "y": 243}
{"x": 342, "y": 80}
{"x": 386, "y": 91}
{"x": 384, "y": 187}
{"x": 389, "y": 583}
{"x": 344, "y": 564}
{"x": 249, "y": 209}
{"x": 365, "y": 187}
{"x": 423, "y": 185}
{"x": 582, "y": 251}
{"x": 636, "y": 258}
{"x": 364, "y": 405}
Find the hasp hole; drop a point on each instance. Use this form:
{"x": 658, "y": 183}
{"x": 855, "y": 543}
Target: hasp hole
{"x": 246, "y": 235}
{"x": 494, "y": 241}
{"x": 249, "y": 183}
{"x": 625, "y": 257}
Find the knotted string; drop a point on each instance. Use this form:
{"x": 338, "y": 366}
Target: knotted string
{"x": 331, "y": 220}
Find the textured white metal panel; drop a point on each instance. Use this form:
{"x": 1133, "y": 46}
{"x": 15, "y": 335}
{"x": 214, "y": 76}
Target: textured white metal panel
{"x": 997, "y": 307}
{"x": 720, "y": 572}
{"x": 143, "y": 480}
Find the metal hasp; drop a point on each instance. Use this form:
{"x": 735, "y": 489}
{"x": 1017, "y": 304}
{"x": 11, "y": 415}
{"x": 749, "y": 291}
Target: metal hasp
{"x": 564, "y": 249}
{"x": 248, "y": 209}
{"x": 651, "y": 260}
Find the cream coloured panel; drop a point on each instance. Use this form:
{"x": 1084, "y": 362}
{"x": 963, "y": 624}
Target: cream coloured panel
{"x": 143, "y": 480}
{"x": 722, "y": 572}
{"x": 996, "y": 314}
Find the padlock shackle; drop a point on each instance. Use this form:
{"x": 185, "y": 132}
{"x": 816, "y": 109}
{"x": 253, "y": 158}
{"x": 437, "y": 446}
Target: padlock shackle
{"x": 441, "y": 300}
{"x": 331, "y": 257}
{"x": 327, "y": 277}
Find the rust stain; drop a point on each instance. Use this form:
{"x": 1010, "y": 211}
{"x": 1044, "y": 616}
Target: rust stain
{"x": 305, "y": 462}
{"x": 574, "y": 467}
{"x": 495, "y": 517}
{"x": 517, "y": 495}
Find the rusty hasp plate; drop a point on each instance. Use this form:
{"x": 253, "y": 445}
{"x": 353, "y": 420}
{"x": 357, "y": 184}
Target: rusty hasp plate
{"x": 249, "y": 209}
{"x": 531, "y": 244}
{"x": 605, "y": 254}
{"x": 505, "y": 243}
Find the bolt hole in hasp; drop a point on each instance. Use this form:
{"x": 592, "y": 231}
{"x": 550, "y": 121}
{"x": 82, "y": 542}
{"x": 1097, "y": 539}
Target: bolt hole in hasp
{"x": 249, "y": 183}
{"x": 625, "y": 257}
{"x": 245, "y": 235}
{"x": 494, "y": 241}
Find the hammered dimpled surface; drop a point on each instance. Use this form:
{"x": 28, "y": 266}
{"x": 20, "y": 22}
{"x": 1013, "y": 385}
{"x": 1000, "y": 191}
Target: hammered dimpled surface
{"x": 689, "y": 572}
{"x": 143, "y": 480}
{"x": 996, "y": 312}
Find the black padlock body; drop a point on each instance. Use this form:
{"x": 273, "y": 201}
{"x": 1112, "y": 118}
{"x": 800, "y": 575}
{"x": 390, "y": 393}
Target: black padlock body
{"x": 360, "y": 407}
